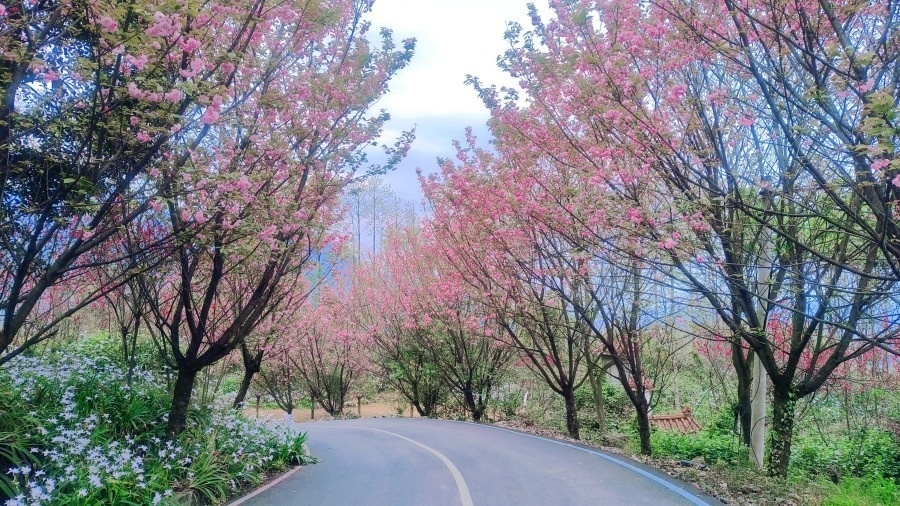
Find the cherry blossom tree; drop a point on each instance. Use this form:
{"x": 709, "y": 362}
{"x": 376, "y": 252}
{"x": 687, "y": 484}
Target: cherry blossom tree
{"x": 398, "y": 345}
{"x": 261, "y": 195}
{"x": 564, "y": 299}
{"x": 73, "y": 166}
{"x": 473, "y": 229}
{"x": 279, "y": 377}
{"x": 107, "y": 105}
{"x": 457, "y": 330}
{"x": 269, "y": 335}
{"x": 328, "y": 349}
{"x": 696, "y": 124}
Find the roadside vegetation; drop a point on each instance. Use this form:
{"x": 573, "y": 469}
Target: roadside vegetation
{"x": 683, "y": 203}
{"x": 841, "y": 457}
{"x": 78, "y": 430}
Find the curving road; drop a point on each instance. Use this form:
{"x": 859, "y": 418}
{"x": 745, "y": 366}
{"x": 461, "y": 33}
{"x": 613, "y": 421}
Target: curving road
{"x": 435, "y": 462}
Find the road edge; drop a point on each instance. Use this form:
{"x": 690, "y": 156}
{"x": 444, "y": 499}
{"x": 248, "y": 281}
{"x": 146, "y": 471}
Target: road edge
{"x": 678, "y": 486}
{"x": 262, "y": 488}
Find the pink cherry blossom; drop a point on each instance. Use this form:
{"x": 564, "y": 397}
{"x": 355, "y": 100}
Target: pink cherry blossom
{"x": 880, "y": 164}
{"x": 109, "y": 24}
{"x": 210, "y": 115}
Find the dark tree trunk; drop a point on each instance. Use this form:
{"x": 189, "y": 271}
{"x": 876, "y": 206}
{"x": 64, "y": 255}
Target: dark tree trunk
{"x": 243, "y": 389}
{"x": 181, "y": 398}
{"x": 252, "y": 365}
{"x": 643, "y": 420}
{"x": 784, "y": 402}
{"x": 473, "y": 405}
{"x": 571, "y": 415}
{"x": 742, "y": 409}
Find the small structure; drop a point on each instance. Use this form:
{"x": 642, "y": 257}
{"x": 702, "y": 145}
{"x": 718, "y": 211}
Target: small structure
{"x": 683, "y": 422}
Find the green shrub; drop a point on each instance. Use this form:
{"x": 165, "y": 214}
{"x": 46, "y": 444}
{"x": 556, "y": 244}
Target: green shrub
{"x": 584, "y": 396}
{"x": 620, "y": 415}
{"x": 712, "y": 447}
{"x": 865, "y": 453}
{"x": 722, "y": 422}
{"x": 863, "y": 492}
{"x": 509, "y": 404}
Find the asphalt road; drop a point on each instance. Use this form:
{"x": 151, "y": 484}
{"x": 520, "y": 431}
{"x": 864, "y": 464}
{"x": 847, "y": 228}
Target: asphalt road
{"x": 437, "y": 462}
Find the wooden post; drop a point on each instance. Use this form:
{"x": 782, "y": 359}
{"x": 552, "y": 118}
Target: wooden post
{"x": 359, "y": 405}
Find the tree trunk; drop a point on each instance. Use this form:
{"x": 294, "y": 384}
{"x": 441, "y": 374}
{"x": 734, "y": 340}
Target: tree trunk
{"x": 571, "y": 415}
{"x": 784, "y": 403}
{"x": 643, "y": 419}
{"x": 252, "y": 365}
{"x": 244, "y": 388}
{"x": 181, "y": 399}
{"x": 743, "y": 407}
{"x": 472, "y": 405}
{"x": 596, "y": 377}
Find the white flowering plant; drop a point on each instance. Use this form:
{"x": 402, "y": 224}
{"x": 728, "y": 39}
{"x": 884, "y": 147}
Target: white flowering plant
{"x": 75, "y": 431}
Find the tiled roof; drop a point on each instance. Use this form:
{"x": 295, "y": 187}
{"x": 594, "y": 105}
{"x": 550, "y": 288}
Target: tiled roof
{"x": 683, "y": 422}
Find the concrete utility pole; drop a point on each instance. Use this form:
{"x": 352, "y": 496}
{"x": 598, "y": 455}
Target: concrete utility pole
{"x": 760, "y": 380}
{"x": 758, "y": 414}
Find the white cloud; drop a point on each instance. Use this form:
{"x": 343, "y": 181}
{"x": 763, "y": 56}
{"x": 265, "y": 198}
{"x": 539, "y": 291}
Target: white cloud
{"x": 454, "y": 38}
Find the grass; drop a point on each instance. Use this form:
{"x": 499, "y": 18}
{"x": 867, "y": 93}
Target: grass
{"x": 863, "y": 492}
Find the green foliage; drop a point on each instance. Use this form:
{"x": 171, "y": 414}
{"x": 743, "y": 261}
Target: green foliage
{"x": 98, "y": 345}
{"x": 417, "y": 376}
{"x": 584, "y": 396}
{"x": 863, "y": 492}
{"x": 208, "y": 479}
{"x": 73, "y": 431}
{"x": 725, "y": 448}
{"x": 14, "y": 441}
{"x": 619, "y": 411}
{"x": 865, "y": 453}
{"x": 722, "y": 423}
{"x": 230, "y": 384}
{"x": 510, "y": 404}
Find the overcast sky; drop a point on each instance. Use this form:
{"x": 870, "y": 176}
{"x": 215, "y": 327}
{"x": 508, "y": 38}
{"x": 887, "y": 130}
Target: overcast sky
{"x": 454, "y": 38}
